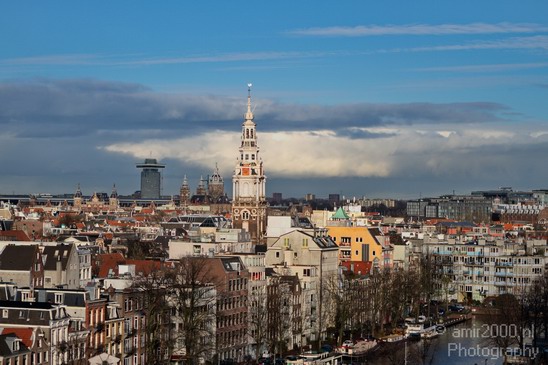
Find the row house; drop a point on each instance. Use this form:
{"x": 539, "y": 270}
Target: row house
{"x": 231, "y": 279}
{"x": 13, "y": 350}
{"x": 52, "y": 319}
{"x": 283, "y": 313}
{"x": 22, "y": 265}
{"x": 311, "y": 256}
{"x": 32, "y": 339}
{"x": 130, "y": 346}
{"x": 257, "y": 299}
{"x": 61, "y": 266}
{"x": 74, "y": 302}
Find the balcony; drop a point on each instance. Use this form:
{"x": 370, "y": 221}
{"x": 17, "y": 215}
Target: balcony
{"x": 504, "y": 274}
{"x": 503, "y": 283}
{"x": 504, "y": 264}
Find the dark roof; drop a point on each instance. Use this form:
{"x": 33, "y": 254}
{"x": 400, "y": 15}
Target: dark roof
{"x": 25, "y": 305}
{"x": 325, "y": 242}
{"x": 375, "y": 231}
{"x": 18, "y": 257}
{"x": 54, "y": 253}
{"x": 260, "y": 248}
{"x": 71, "y": 298}
{"x": 5, "y": 345}
{"x": 456, "y": 224}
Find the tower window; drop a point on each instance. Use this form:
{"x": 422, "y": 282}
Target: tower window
{"x": 253, "y": 156}
{"x": 251, "y": 133}
{"x": 246, "y": 156}
{"x": 245, "y": 215}
{"x": 247, "y": 133}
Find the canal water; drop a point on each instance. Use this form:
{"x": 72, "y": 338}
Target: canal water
{"x": 468, "y": 343}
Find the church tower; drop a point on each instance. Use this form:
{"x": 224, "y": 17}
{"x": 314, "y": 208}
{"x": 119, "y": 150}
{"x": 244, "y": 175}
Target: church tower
{"x": 185, "y": 193}
{"x": 113, "y": 199}
{"x": 78, "y": 199}
{"x": 215, "y": 186}
{"x": 248, "y": 182}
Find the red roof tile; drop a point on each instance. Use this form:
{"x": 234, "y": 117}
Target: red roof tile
{"x": 25, "y": 334}
{"x": 15, "y": 235}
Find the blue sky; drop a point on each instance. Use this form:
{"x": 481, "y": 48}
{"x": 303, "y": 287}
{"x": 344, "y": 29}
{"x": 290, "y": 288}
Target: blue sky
{"x": 391, "y": 98}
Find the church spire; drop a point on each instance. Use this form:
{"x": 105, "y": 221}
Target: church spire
{"x": 249, "y": 113}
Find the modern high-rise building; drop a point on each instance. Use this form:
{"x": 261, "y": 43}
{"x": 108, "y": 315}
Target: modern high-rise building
{"x": 151, "y": 180}
{"x": 248, "y": 201}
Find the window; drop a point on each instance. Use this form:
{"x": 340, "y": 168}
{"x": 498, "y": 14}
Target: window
{"x": 286, "y": 242}
{"x": 5, "y": 313}
{"x": 58, "y": 298}
{"x": 305, "y": 242}
{"x": 245, "y": 215}
{"x": 278, "y": 254}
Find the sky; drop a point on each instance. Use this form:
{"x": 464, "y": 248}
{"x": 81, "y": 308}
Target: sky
{"x": 396, "y": 99}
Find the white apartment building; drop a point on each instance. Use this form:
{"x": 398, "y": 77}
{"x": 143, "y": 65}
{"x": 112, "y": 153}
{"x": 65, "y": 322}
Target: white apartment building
{"x": 311, "y": 256}
{"x": 483, "y": 268}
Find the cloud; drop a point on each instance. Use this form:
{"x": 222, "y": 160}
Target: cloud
{"x": 55, "y": 108}
{"x": 533, "y": 42}
{"x": 487, "y": 68}
{"x": 140, "y": 60}
{"x": 97, "y": 130}
{"x": 324, "y": 153}
{"x": 420, "y": 29}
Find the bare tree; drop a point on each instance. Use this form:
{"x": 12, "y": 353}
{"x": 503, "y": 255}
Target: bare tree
{"x": 258, "y": 319}
{"x": 193, "y": 297}
{"x": 279, "y": 324}
{"x": 180, "y": 306}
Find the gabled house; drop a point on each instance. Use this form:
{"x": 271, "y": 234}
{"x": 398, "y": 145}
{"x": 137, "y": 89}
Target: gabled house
{"x": 34, "y": 340}
{"x": 61, "y": 266}
{"x": 22, "y": 265}
{"x": 53, "y": 320}
{"x": 13, "y": 350}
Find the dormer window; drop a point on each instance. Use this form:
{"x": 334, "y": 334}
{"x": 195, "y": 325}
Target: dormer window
{"x": 15, "y": 346}
{"x": 58, "y": 298}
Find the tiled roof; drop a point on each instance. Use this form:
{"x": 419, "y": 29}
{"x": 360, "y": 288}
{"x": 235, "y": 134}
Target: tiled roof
{"x": 25, "y": 334}
{"x": 15, "y": 235}
{"x": 108, "y": 263}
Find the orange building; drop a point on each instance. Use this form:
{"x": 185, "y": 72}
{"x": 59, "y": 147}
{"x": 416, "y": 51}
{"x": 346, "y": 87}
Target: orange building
{"x": 358, "y": 243}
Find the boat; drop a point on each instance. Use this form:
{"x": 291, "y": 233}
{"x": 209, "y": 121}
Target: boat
{"x": 392, "y": 338}
{"x": 418, "y": 330}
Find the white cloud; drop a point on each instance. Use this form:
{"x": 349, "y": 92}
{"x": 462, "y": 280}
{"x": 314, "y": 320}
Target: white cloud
{"x": 420, "y": 29}
{"x": 324, "y": 153}
{"x": 533, "y": 42}
{"x": 488, "y": 68}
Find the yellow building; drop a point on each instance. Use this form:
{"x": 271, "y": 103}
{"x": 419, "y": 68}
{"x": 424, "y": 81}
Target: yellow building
{"x": 358, "y": 243}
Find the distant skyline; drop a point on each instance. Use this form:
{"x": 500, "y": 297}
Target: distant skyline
{"x": 384, "y": 99}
